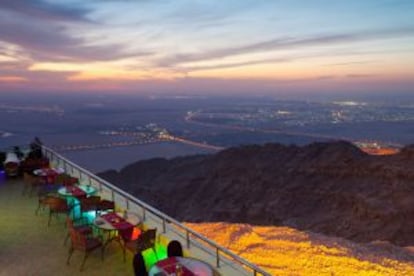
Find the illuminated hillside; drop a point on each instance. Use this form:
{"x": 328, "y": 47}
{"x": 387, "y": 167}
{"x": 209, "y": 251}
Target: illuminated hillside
{"x": 329, "y": 188}
{"x": 286, "y": 251}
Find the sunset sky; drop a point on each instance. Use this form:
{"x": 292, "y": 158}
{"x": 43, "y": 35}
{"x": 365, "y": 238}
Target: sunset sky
{"x": 207, "y": 46}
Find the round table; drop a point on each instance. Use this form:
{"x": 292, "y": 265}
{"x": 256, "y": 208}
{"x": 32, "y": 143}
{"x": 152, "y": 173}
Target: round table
{"x": 167, "y": 267}
{"x": 48, "y": 172}
{"x": 103, "y": 224}
{"x": 72, "y": 199}
{"x": 114, "y": 233}
{"x": 87, "y": 189}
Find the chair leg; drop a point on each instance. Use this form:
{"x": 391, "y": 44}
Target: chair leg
{"x": 84, "y": 260}
{"x": 66, "y": 239}
{"x": 102, "y": 253}
{"x": 124, "y": 251}
{"x": 70, "y": 255}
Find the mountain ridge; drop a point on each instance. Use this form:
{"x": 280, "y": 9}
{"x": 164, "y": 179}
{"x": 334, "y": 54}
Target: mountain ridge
{"x": 332, "y": 188}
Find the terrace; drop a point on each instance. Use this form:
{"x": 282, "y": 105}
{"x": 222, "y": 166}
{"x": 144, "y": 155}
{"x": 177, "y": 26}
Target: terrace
{"x": 29, "y": 246}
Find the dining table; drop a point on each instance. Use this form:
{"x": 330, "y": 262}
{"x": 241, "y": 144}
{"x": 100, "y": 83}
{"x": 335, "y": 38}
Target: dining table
{"x": 48, "y": 171}
{"x": 181, "y": 266}
{"x": 76, "y": 190}
{"x": 48, "y": 174}
{"x": 117, "y": 220}
{"x": 118, "y": 224}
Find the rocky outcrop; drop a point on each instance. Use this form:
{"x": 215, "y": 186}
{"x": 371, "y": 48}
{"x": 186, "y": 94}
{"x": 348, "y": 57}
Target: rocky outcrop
{"x": 332, "y": 188}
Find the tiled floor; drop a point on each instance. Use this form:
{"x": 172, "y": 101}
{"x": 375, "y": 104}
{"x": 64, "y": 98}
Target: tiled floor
{"x": 29, "y": 247}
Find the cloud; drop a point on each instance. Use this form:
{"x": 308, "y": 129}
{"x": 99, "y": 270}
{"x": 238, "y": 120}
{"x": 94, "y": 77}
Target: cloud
{"x": 44, "y": 38}
{"x": 203, "y": 13}
{"x": 12, "y": 79}
{"x": 234, "y": 64}
{"x": 34, "y": 76}
{"x": 45, "y": 10}
{"x": 351, "y": 63}
{"x": 287, "y": 42}
{"x": 282, "y": 59}
{"x": 358, "y": 76}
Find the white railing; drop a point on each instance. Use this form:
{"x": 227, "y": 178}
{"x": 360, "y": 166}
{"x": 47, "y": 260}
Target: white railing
{"x": 128, "y": 201}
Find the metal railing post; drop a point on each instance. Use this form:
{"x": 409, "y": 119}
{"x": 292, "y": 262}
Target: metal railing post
{"x": 187, "y": 234}
{"x": 163, "y": 226}
{"x": 217, "y": 257}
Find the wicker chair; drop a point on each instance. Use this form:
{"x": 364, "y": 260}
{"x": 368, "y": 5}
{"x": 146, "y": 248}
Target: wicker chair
{"x": 79, "y": 225}
{"x": 89, "y": 203}
{"x": 68, "y": 181}
{"x": 144, "y": 241}
{"x": 32, "y": 183}
{"x": 57, "y": 206}
{"x": 105, "y": 205}
{"x": 85, "y": 244}
{"x": 43, "y": 201}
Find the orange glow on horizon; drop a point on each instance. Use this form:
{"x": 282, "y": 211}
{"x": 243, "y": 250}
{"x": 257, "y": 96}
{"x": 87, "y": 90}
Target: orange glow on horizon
{"x": 333, "y": 69}
{"x": 380, "y": 151}
{"x": 12, "y": 79}
{"x": 115, "y": 71}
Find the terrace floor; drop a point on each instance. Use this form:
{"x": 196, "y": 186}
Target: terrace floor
{"x": 28, "y": 246}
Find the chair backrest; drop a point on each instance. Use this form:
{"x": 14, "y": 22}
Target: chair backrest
{"x": 89, "y": 203}
{"x": 94, "y": 199}
{"x": 139, "y": 265}
{"x": 174, "y": 249}
{"x": 146, "y": 239}
{"x": 57, "y": 204}
{"x": 106, "y": 205}
{"x": 78, "y": 239}
{"x": 151, "y": 235}
{"x": 65, "y": 179}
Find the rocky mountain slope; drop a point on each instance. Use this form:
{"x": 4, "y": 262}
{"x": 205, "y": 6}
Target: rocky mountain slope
{"x": 284, "y": 251}
{"x": 331, "y": 188}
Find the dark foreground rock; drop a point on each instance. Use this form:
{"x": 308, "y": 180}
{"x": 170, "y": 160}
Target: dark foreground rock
{"x": 331, "y": 188}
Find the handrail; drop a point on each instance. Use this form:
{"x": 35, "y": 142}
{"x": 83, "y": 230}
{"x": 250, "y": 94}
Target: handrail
{"x": 164, "y": 217}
